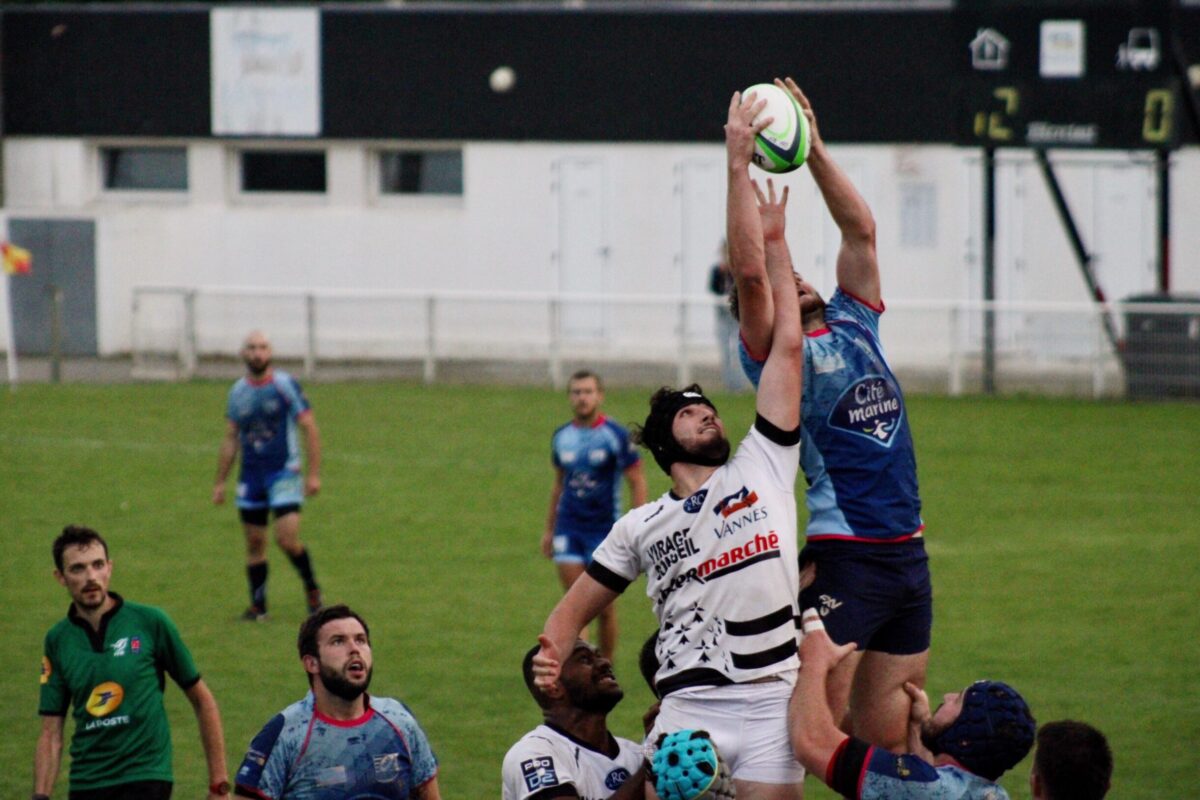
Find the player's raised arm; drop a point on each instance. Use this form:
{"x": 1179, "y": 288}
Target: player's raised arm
{"x": 744, "y": 227}
{"x": 857, "y": 263}
{"x": 582, "y": 603}
{"x": 778, "y": 398}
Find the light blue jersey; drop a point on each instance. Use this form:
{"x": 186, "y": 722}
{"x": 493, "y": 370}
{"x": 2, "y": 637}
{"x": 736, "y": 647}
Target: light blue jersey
{"x": 872, "y": 773}
{"x": 265, "y": 413}
{"x": 592, "y": 459}
{"x": 857, "y": 451}
{"x": 303, "y": 755}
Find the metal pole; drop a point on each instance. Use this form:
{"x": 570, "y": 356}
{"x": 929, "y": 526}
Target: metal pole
{"x": 685, "y": 367}
{"x": 1162, "y": 163}
{"x": 989, "y": 270}
{"x": 56, "y": 298}
{"x": 310, "y": 325}
{"x": 956, "y": 380}
{"x": 555, "y": 361}
{"x": 429, "y": 373}
{"x": 188, "y": 361}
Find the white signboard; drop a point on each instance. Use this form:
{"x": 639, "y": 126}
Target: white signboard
{"x": 266, "y": 72}
{"x": 1063, "y": 47}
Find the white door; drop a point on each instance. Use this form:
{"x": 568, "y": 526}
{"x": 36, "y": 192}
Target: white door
{"x": 582, "y": 245}
{"x": 700, "y": 191}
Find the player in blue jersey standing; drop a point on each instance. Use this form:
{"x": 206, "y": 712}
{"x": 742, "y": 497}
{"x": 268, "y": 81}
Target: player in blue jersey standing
{"x": 957, "y": 752}
{"x": 864, "y": 530}
{"x": 265, "y": 410}
{"x": 590, "y": 454}
{"x": 339, "y": 743}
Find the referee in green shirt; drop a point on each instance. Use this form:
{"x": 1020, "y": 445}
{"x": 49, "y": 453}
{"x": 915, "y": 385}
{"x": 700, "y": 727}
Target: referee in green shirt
{"x": 107, "y": 660}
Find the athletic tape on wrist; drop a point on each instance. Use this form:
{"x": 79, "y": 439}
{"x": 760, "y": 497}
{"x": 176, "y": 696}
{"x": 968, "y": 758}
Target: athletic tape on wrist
{"x": 810, "y": 621}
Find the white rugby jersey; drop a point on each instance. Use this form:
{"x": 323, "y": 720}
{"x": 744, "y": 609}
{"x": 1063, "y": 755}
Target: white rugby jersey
{"x": 721, "y": 567}
{"x": 547, "y": 757}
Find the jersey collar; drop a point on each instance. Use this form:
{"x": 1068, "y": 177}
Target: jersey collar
{"x": 612, "y": 749}
{"x": 267, "y": 377}
{"x": 96, "y": 637}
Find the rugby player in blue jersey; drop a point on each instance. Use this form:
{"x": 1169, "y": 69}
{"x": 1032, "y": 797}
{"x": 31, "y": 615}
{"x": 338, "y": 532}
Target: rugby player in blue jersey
{"x": 864, "y": 531}
{"x": 339, "y": 743}
{"x": 957, "y": 752}
{"x": 590, "y": 454}
{"x": 265, "y": 409}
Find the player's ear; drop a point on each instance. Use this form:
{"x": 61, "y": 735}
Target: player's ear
{"x": 58, "y": 576}
{"x": 311, "y": 666}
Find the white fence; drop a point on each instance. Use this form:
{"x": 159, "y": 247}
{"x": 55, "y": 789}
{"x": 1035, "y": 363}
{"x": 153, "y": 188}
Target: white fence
{"x": 937, "y": 346}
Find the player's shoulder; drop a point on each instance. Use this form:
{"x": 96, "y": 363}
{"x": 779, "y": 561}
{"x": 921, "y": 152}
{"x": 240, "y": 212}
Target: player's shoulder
{"x": 562, "y": 430}
{"x": 58, "y": 630}
{"x": 541, "y": 741}
{"x": 616, "y": 427}
{"x": 393, "y": 710}
{"x": 151, "y": 614}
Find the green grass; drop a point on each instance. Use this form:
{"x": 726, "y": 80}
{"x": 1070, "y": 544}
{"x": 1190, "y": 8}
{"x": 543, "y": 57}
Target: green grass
{"x": 1063, "y": 536}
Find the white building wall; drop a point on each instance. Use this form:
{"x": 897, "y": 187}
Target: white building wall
{"x": 502, "y": 233}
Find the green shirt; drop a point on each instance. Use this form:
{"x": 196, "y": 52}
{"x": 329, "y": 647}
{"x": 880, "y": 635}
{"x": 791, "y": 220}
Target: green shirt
{"x": 114, "y": 678}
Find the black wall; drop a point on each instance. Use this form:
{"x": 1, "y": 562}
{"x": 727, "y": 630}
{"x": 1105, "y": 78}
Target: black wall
{"x": 592, "y": 75}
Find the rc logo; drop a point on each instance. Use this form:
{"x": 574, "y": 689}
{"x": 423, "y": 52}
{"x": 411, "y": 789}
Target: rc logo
{"x": 869, "y": 408}
{"x": 728, "y": 506}
{"x": 387, "y": 767}
{"x": 614, "y": 779}
{"x": 829, "y": 603}
{"x": 118, "y": 647}
{"x": 105, "y": 699}
{"x": 694, "y": 503}
{"x": 539, "y": 773}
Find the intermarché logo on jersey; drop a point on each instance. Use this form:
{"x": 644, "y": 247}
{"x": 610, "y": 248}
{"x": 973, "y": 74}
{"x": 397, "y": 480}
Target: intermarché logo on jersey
{"x": 760, "y": 548}
{"x": 869, "y": 408}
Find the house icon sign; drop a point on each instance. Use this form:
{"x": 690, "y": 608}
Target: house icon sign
{"x": 989, "y": 50}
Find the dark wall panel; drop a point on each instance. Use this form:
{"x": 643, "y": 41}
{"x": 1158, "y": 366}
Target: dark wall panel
{"x": 630, "y": 76}
{"x": 128, "y": 73}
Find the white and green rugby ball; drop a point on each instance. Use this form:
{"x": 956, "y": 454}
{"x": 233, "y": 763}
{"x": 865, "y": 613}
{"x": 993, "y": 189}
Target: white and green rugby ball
{"x": 783, "y": 146}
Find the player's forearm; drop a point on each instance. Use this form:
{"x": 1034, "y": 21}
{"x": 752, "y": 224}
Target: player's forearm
{"x": 815, "y": 737}
{"x": 46, "y": 761}
{"x": 225, "y": 457}
{"x": 847, "y": 207}
{"x": 212, "y": 735}
{"x": 312, "y": 450}
{"x": 637, "y": 490}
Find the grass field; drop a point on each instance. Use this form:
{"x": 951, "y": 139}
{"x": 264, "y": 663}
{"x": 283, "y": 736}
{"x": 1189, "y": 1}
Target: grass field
{"x": 1064, "y": 538}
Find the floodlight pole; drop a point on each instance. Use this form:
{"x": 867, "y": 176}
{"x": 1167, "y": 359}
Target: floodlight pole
{"x": 989, "y": 270}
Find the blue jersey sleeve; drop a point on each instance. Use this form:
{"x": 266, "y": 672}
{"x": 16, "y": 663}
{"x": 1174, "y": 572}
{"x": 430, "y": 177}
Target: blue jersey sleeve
{"x": 229, "y": 412}
{"x": 424, "y": 762}
{"x": 846, "y": 306}
{"x": 296, "y": 400}
{"x": 264, "y": 770}
{"x": 752, "y": 368}
{"x": 627, "y": 452}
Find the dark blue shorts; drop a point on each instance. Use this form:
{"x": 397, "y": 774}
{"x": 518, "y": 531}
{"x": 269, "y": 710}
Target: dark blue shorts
{"x": 876, "y": 595}
{"x": 576, "y": 547}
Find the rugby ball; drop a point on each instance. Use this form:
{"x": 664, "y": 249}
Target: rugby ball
{"x": 783, "y": 146}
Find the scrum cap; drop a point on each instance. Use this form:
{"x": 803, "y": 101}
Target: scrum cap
{"x": 993, "y": 731}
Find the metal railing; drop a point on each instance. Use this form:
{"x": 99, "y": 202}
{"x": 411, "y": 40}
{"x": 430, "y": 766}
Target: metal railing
{"x": 935, "y": 346}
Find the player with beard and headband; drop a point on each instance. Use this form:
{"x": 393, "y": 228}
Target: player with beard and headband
{"x": 265, "y": 407}
{"x": 958, "y": 752}
{"x": 572, "y": 753}
{"x": 339, "y": 742}
{"x": 719, "y": 549}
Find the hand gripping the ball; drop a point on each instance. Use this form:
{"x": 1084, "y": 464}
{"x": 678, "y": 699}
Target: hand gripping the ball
{"x": 687, "y": 766}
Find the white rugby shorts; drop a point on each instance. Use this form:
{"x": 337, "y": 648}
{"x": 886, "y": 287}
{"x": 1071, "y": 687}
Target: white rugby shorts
{"x": 748, "y": 723}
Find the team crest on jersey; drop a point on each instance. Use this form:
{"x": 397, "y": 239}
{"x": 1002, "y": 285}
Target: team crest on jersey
{"x": 135, "y": 644}
{"x": 694, "y": 503}
{"x": 597, "y": 456}
{"x": 387, "y": 767}
{"x": 614, "y": 779}
{"x": 869, "y": 408}
{"x": 118, "y": 647}
{"x": 742, "y": 498}
{"x": 539, "y": 773}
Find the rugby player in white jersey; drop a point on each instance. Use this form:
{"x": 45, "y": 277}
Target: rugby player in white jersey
{"x": 719, "y": 549}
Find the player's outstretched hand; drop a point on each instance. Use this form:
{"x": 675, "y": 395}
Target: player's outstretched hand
{"x": 548, "y": 544}
{"x": 546, "y": 665}
{"x": 218, "y": 494}
{"x": 790, "y": 86}
{"x": 740, "y": 128}
{"x": 312, "y": 485}
{"x": 920, "y": 703}
{"x": 772, "y": 210}
{"x": 817, "y": 650}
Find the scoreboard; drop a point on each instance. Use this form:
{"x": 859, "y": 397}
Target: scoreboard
{"x": 1084, "y": 75}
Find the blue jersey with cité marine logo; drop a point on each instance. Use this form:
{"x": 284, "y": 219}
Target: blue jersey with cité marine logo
{"x": 857, "y": 451}
{"x": 592, "y": 459}
{"x": 265, "y": 412}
